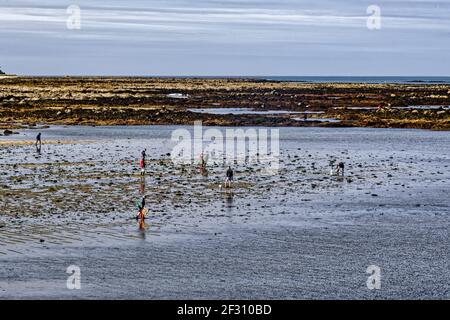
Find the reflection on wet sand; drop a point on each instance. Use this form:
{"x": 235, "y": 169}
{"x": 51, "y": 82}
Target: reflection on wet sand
{"x": 142, "y": 210}
{"x": 142, "y": 227}
{"x": 142, "y": 186}
{"x": 229, "y": 199}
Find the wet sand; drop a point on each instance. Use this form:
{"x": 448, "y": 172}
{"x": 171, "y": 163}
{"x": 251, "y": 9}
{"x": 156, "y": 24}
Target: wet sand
{"x": 299, "y": 234}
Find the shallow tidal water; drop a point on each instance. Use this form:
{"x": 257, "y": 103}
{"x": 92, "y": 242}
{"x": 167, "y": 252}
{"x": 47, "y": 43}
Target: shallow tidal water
{"x": 299, "y": 233}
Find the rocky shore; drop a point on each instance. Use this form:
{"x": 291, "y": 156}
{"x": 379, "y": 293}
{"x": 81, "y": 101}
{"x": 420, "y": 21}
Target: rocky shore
{"x": 25, "y": 101}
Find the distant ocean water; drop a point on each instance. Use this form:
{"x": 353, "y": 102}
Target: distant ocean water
{"x": 334, "y": 79}
{"x": 350, "y": 79}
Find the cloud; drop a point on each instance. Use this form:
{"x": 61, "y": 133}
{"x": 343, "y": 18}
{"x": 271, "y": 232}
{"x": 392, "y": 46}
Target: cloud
{"x": 257, "y": 28}
{"x": 212, "y": 20}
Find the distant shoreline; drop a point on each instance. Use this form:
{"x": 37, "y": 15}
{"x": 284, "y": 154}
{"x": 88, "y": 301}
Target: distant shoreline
{"x": 169, "y": 101}
{"x": 297, "y": 79}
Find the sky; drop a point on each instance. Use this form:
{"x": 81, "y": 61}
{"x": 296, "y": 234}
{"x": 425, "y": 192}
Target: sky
{"x": 227, "y": 37}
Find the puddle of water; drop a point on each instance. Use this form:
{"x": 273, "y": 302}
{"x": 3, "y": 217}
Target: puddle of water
{"x": 249, "y": 111}
{"x": 178, "y": 96}
{"x": 356, "y": 108}
{"x": 318, "y": 120}
{"x": 424, "y": 107}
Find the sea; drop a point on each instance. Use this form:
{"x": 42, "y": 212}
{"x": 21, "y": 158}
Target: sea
{"x": 338, "y": 79}
{"x": 361, "y": 79}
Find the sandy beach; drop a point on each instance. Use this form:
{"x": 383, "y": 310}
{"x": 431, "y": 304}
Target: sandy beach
{"x": 298, "y": 234}
{"x": 248, "y": 155}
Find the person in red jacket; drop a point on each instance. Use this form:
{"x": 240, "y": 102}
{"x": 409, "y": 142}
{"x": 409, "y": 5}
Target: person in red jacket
{"x": 142, "y": 166}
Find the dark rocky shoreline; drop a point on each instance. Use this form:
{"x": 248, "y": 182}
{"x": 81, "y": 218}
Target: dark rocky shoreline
{"x": 146, "y": 101}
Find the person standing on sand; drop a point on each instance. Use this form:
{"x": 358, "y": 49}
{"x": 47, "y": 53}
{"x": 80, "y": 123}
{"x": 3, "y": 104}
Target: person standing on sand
{"x": 141, "y": 207}
{"x": 229, "y": 177}
{"x": 143, "y": 153}
{"x": 38, "y": 140}
{"x": 143, "y": 202}
{"x": 202, "y": 161}
{"x": 340, "y": 168}
{"x": 202, "y": 168}
{"x": 142, "y": 166}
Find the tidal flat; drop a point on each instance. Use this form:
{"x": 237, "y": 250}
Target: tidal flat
{"x": 299, "y": 233}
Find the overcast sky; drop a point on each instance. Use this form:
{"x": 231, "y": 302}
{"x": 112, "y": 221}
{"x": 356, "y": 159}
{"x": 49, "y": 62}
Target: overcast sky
{"x": 227, "y": 37}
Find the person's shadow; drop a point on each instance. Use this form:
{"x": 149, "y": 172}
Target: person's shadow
{"x": 142, "y": 186}
{"x": 229, "y": 199}
{"x": 142, "y": 227}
